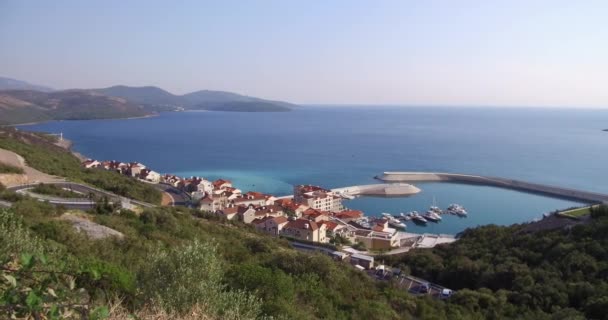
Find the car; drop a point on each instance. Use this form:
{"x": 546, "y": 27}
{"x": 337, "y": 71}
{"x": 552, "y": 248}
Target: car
{"x": 446, "y": 293}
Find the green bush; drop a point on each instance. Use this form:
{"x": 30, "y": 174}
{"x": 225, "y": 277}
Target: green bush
{"x": 192, "y": 275}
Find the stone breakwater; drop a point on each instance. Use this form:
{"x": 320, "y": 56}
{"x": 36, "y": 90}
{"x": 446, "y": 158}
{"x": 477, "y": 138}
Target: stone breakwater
{"x": 553, "y": 191}
{"x": 381, "y": 189}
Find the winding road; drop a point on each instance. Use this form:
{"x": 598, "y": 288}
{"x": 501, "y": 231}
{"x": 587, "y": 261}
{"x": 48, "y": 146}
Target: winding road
{"x": 82, "y": 203}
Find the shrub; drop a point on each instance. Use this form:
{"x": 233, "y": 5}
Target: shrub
{"x": 179, "y": 279}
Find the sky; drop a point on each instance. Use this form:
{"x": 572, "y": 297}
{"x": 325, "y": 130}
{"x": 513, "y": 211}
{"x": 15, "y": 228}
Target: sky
{"x": 427, "y": 52}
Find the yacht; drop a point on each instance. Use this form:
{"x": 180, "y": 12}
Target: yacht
{"x": 396, "y": 223}
{"x": 457, "y": 210}
{"x": 419, "y": 219}
{"x": 434, "y": 208}
{"x": 432, "y": 216}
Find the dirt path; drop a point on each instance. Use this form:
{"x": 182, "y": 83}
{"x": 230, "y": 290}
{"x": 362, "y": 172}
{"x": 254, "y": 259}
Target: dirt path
{"x": 31, "y": 175}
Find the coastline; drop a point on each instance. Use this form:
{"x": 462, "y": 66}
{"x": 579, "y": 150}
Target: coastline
{"x": 156, "y": 114}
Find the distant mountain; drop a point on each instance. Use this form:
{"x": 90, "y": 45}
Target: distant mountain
{"x": 152, "y": 98}
{"x": 19, "y": 106}
{"x": 157, "y": 99}
{"x": 13, "y": 84}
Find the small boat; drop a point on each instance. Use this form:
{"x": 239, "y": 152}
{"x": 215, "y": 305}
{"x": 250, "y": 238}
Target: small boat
{"x": 396, "y": 223}
{"x": 434, "y": 208}
{"x": 432, "y": 216}
{"x": 347, "y": 196}
{"x": 419, "y": 219}
{"x": 386, "y": 215}
{"x": 457, "y": 210}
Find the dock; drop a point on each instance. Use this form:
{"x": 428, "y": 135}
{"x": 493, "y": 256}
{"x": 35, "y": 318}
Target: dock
{"x": 379, "y": 189}
{"x": 552, "y": 191}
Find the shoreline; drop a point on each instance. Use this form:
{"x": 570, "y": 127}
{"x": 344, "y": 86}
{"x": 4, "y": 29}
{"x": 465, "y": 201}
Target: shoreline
{"x": 156, "y": 114}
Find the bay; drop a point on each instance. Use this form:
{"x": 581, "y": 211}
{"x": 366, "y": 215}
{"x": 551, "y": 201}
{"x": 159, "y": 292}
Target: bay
{"x": 340, "y": 146}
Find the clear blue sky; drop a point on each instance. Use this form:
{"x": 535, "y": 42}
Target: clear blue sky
{"x": 535, "y": 53}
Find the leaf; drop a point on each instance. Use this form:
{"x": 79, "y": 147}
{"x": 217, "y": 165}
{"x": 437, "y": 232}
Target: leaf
{"x": 33, "y": 300}
{"x": 72, "y": 283}
{"x": 51, "y": 292}
{"x": 27, "y": 260}
{"x": 100, "y": 313}
{"x": 95, "y": 274}
{"x": 10, "y": 280}
{"x": 43, "y": 259}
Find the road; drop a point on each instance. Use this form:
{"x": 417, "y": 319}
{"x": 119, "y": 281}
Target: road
{"x": 180, "y": 198}
{"x": 84, "y": 203}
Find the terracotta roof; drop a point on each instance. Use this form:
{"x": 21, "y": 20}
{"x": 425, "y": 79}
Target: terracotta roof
{"x": 219, "y": 182}
{"x": 260, "y": 220}
{"x": 349, "y": 214}
{"x": 309, "y": 188}
{"x": 301, "y": 224}
{"x": 330, "y": 225}
{"x": 280, "y": 219}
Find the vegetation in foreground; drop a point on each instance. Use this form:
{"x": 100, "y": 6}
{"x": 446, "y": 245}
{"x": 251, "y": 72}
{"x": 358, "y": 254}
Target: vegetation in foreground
{"x": 40, "y": 152}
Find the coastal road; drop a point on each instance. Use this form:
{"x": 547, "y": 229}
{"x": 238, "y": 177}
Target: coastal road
{"x": 84, "y": 203}
{"x": 178, "y": 197}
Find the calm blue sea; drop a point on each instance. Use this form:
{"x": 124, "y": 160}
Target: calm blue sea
{"x": 340, "y": 146}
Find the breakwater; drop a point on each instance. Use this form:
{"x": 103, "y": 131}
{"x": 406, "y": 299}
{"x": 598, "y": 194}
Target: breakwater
{"x": 380, "y": 189}
{"x": 553, "y": 191}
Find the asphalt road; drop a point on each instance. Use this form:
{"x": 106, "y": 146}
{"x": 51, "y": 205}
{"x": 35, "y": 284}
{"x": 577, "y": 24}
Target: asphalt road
{"x": 84, "y": 203}
{"x": 180, "y": 198}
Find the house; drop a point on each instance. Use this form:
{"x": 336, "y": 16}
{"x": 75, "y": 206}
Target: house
{"x": 348, "y": 215}
{"x": 135, "y": 168}
{"x": 250, "y": 198}
{"x": 221, "y": 184}
{"x": 90, "y": 163}
{"x": 209, "y": 203}
{"x": 291, "y": 206}
{"x": 337, "y": 229}
{"x": 229, "y": 213}
{"x": 303, "y": 229}
{"x": 377, "y": 240}
{"x": 317, "y": 198}
{"x": 270, "y": 225}
{"x": 248, "y": 213}
{"x": 316, "y": 215}
{"x": 258, "y": 212}
{"x": 149, "y": 175}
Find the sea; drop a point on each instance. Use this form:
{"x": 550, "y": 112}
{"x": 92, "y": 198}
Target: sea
{"x": 336, "y": 146}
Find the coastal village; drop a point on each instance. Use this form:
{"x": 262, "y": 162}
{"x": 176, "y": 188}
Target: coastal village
{"x": 312, "y": 215}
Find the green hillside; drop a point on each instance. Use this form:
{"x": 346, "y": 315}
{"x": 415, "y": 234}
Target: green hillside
{"x": 21, "y": 106}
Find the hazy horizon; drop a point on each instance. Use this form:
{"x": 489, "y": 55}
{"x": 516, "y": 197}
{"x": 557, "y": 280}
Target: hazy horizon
{"x": 393, "y": 53}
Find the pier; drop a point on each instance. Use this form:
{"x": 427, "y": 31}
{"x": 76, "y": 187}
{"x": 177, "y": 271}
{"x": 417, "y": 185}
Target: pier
{"x": 380, "y": 190}
{"x": 553, "y": 191}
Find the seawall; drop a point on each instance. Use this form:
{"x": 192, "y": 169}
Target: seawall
{"x": 554, "y": 191}
{"x": 380, "y": 189}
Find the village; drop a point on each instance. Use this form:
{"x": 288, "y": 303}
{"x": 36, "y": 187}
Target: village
{"x": 312, "y": 216}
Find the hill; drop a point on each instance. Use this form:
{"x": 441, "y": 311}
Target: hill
{"x": 157, "y": 99}
{"x": 41, "y": 153}
{"x": 152, "y": 98}
{"x": 19, "y": 106}
{"x": 13, "y": 84}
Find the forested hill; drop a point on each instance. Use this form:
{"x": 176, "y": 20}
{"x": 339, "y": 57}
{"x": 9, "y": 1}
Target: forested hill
{"x": 560, "y": 274}
{"x": 21, "y": 106}
{"x": 154, "y": 98}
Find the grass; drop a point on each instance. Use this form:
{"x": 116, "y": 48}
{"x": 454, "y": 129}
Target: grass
{"x": 578, "y": 212}
{"x": 7, "y": 168}
{"x": 53, "y": 190}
